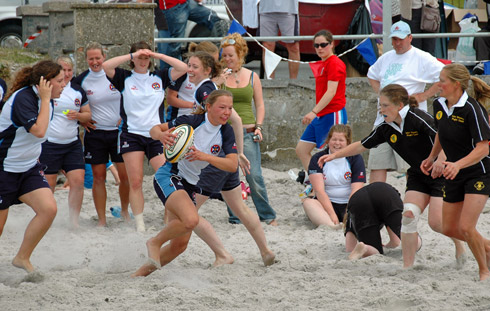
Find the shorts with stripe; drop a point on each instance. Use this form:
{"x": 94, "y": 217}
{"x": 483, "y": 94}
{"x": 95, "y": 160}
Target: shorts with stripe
{"x": 165, "y": 183}
{"x": 317, "y": 131}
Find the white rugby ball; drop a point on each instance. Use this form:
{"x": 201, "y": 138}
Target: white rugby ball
{"x": 183, "y": 141}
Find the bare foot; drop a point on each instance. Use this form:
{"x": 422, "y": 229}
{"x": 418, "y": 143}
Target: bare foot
{"x": 23, "y": 264}
{"x": 149, "y": 267}
{"x": 358, "y": 251}
{"x": 223, "y": 260}
{"x": 392, "y": 244}
{"x": 101, "y": 224}
{"x": 484, "y": 276}
{"x": 125, "y": 215}
{"x": 268, "y": 258}
{"x": 273, "y": 223}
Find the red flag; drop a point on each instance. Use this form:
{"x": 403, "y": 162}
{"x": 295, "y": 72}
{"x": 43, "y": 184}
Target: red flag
{"x": 317, "y": 68}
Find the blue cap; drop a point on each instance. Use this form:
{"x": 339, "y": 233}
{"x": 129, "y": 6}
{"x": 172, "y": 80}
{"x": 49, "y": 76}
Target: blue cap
{"x": 400, "y": 30}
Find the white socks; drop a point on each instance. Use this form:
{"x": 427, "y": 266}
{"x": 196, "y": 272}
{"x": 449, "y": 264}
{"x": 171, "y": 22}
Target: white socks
{"x": 140, "y": 223}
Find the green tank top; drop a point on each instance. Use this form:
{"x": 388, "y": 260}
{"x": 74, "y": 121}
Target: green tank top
{"x": 242, "y": 102}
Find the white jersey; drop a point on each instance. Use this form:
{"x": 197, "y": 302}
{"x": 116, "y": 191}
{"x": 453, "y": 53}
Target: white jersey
{"x": 20, "y": 150}
{"x": 412, "y": 70}
{"x": 103, "y": 97}
{"x": 61, "y": 129}
{"x": 186, "y": 91}
{"x": 142, "y": 99}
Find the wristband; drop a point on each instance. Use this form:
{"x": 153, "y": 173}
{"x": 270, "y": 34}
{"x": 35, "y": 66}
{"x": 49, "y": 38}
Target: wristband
{"x": 258, "y": 127}
{"x": 131, "y": 55}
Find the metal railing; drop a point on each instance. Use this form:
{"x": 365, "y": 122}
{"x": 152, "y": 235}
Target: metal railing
{"x": 335, "y": 37}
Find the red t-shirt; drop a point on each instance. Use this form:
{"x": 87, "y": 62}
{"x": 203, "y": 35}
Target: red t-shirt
{"x": 167, "y": 4}
{"x": 333, "y": 69}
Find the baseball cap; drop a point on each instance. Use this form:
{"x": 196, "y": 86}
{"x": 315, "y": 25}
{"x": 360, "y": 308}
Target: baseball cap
{"x": 400, "y": 30}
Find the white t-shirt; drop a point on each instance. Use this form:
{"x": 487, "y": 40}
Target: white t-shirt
{"x": 103, "y": 97}
{"x": 186, "y": 92}
{"x": 62, "y": 130}
{"x": 412, "y": 70}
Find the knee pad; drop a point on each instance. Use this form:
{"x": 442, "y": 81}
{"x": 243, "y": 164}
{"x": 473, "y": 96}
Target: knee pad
{"x": 409, "y": 225}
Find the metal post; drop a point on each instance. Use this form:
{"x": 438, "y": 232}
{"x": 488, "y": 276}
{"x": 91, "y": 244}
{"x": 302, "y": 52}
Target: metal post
{"x": 386, "y": 26}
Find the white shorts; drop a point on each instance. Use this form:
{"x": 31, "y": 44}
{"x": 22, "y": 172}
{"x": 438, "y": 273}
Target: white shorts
{"x": 383, "y": 157}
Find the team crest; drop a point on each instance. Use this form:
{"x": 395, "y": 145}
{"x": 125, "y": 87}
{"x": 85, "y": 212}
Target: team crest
{"x": 156, "y": 86}
{"x": 215, "y": 149}
{"x": 77, "y": 102}
{"x": 112, "y": 87}
{"x": 479, "y": 185}
{"x": 347, "y": 175}
{"x": 393, "y": 138}
{"x": 439, "y": 115}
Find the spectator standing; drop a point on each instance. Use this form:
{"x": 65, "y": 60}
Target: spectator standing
{"x": 410, "y": 67}
{"x": 413, "y": 17}
{"x": 281, "y": 15}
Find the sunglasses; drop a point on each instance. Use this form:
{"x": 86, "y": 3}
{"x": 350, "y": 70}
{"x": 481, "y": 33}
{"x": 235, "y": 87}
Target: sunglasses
{"x": 228, "y": 41}
{"x": 323, "y": 45}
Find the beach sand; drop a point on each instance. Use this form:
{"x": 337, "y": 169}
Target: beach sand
{"x": 90, "y": 269}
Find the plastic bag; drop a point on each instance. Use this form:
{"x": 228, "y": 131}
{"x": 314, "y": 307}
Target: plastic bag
{"x": 465, "y": 50}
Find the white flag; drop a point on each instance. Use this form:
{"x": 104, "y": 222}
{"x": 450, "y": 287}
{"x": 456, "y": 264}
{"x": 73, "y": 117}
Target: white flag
{"x": 271, "y": 62}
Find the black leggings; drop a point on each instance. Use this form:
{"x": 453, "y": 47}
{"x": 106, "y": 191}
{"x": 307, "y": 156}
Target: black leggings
{"x": 371, "y": 235}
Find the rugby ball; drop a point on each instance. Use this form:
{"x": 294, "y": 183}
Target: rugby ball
{"x": 183, "y": 141}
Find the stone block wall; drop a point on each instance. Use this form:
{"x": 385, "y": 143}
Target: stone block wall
{"x": 116, "y": 26}
{"x": 34, "y": 19}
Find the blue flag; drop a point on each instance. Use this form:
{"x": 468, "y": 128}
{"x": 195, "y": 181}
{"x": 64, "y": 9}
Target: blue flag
{"x": 367, "y": 51}
{"x": 236, "y": 27}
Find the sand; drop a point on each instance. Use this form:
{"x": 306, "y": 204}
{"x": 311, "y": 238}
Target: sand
{"x": 90, "y": 269}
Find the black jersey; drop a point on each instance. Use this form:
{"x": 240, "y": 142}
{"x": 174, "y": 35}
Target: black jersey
{"x": 460, "y": 128}
{"x": 413, "y": 140}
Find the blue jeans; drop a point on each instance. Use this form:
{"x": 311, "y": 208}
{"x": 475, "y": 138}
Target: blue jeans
{"x": 162, "y": 47}
{"x": 256, "y": 182}
{"x": 177, "y": 17}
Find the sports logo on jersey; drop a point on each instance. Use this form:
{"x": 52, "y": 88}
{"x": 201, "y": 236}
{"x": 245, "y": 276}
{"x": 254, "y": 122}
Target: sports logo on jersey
{"x": 77, "y": 102}
{"x": 234, "y": 146}
{"x": 393, "y": 138}
{"x": 112, "y": 87}
{"x": 479, "y": 185}
{"x": 134, "y": 88}
{"x": 156, "y": 86}
{"x": 215, "y": 149}
{"x": 347, "y": 175}
{"x": 189, "y": 86}
{"x": 88, "y": 156}
{"x": 439, "y": 115}
{"x": 90, "y": 92}
{"x": 125, "y": 145}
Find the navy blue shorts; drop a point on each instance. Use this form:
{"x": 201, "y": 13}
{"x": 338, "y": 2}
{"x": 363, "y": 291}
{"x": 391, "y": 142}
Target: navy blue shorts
{"x": 166, "y": 183}
{"x": 129, "y": 142}
{"x": 418, "y": 181}
{"x": 455, "y": 190}
{"x": 15, "y": 185}
{"x": 67, "y": 157}
{"x": 99, "y": 144}
{"x": 213, "y": 180}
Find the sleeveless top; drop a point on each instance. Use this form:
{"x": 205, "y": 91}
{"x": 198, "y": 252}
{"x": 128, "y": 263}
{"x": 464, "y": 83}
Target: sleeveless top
{"x": 242, "y": 101}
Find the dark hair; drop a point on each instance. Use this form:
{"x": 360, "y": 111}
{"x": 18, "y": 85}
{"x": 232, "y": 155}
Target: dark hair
{"x": 32, "y": 75}
{"x": 204, "y": 46}
{"x": 139, "y": 46}
{"x": 324, "y": 33}
{"x": 207, "y": 61}
{"x": 398, "y": 94}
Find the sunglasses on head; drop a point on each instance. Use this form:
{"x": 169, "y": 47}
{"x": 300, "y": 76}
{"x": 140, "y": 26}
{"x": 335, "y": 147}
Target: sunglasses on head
{"x": 323, "y": 45}
{"x": 228, "y": 41}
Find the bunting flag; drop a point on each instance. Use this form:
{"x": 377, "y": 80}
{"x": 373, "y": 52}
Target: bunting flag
{"x": 271, "y": 62}
{"x": 445, "y": 61}
{"x": 367, "y": 51}
{"x": 236, "y": 27}
{"x": 317, "y": 68}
